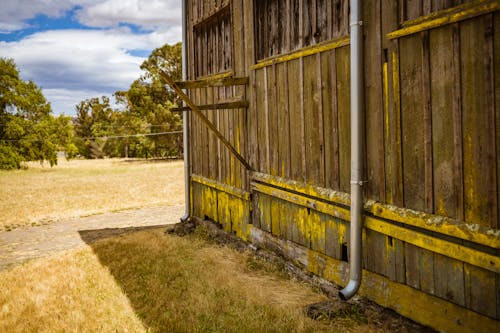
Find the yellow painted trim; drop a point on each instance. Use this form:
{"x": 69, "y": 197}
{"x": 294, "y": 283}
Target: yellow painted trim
{"x": 439, "y": 224}
{"x": 444, "y": 17}
{"x": 449, "y": 249}
{"x": 216, "y": 76}
{"x": 304, "y": 52}
{"x": 434, "y": 244}
{"x": 424, "y": 308}
{"x": 234, "y": 191}
{"x": 336, "y": 197}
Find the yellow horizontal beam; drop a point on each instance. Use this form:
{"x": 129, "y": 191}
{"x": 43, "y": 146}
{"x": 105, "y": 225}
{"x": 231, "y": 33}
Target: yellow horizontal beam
{"x": 231, "y": 190}
{"x": 434, "y": 244}
{"x": 444, "y": 17}
{"x": 304, "y": 52}
{"x": 436, "y": 223}
{"x": 407, "y": 301}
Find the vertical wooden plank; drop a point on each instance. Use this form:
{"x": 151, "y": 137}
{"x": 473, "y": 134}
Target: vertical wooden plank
{"x": 389, "y": 22}
{"x": 412, "y": 262}
{"x": 212, "y": 144}
{"x": 441, "y": 73}
{"x": 301, "y": 23}
{"x": 496, "y": 50}
{"x": 343, "y": 102}
{"x": 283, "y": 221}
{"x": 321, "y": 29}
{"x": 307, "y": 22}
{"x": 332, "y": 238}
{"x": 457, "y": 122}
{"x": 249, "y": 59}
{"x": 412, "y": 118}
{"x": 266, "y": 127}
{"x": 273, "y": 120}
{"x": 427, "y": 7}
{"x": 302, "y": 120}
{"x": 412, "y": 123}
{"x": 489, "y": 81}
{"x": 478, "y": 127}
{"x": 275, "y": 217}
{"x": 260, "y": 118}
{"x": 282, "y": 31}
{"x": 330, "y": 118}
{"x": 374, "y": 111}
{"x": 233, "y": 163}
{"x": 376, "y": 256}
{"x": 428, "y": 184}
{"x": 396, "y": 270}
{"x": 427, "y": 272}
{"x": 295, "y": 120}
{"x": 480, "y": 290}
{"x": 288, "y": 17}
{"x": 449, "y": 279}
{"x": 265, "y": 212}
{"x": 396, "y": 135}
{"x": 311, "y": 119}
{"x": 256, "y": 210}
{"x": 317, "y": 223}
{"x": 273, "y": 25}
{"x": 344, "y": 27}
{"x": 413, "y": 9}
{"x": 295, "y": 25}
{"x": 321, "y": 135}
{"x": 283, "y": 121}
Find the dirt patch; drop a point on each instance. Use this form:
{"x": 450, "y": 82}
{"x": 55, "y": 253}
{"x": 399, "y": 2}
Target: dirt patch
{"x": 26, "y": 243}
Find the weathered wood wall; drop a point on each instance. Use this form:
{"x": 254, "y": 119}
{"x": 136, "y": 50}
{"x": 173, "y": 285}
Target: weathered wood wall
{"x": 432, "y": 116}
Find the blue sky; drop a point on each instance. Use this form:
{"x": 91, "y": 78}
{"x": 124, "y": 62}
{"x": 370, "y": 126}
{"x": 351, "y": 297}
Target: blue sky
{"x": 78, "y": 49}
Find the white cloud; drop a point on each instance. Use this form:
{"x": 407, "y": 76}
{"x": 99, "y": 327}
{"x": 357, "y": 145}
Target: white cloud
{"x": 148, "y": 14}
{"x": 72, "y": 65}
{"x": 81, "y": 60}
{"x": 13, "y": 13}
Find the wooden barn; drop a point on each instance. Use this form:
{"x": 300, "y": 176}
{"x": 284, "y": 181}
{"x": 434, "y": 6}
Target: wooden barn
{"x": 270, "y": 143}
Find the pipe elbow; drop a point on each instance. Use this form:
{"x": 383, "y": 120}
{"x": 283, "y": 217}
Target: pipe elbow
{"x": 185, "y": 218}
{"x": 350, "y": 290}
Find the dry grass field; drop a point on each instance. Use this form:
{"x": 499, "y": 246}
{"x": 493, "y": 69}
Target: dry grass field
{"x": 42, "y": 194}
{"x": 145, "y": 281}
{"x": 151, "y": 282}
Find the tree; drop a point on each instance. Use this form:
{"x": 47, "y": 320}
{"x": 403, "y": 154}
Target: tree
{"x": 150, "y": 100}
{"x": 28, "y": 130}
{"x": 94, "y": 121}
{"x": 145, "y": 109}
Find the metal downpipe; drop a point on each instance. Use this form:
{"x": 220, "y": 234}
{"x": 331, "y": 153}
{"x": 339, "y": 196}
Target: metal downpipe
{"x": 185, "y": 121}
{"x": 357, "y": 107}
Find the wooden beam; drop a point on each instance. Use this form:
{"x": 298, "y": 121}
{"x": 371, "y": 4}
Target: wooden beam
{"x": 440, "y": 224}
{"x": 207, "y": 122}
{"x": 433, "y": 244}
{"x": 447, "y": 16}
{"x": 304, "y": 52}
{"x": 231, "y": 190}
{"x": 213, "y": 82}
{"x": 216, "y": 106}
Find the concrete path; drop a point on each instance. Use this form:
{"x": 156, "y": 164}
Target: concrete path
{"x": 27, "y": 243}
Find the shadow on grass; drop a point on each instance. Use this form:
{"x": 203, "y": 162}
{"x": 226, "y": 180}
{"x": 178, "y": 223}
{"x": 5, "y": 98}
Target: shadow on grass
{"x": 182, "y": 284}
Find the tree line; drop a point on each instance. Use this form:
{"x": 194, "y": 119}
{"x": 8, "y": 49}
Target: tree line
{"x": 138, "y": 124}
